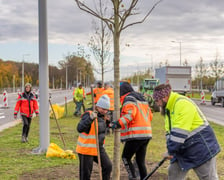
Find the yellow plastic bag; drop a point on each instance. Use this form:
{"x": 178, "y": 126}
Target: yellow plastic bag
{"x": 58, "y": 110}
{"x": 55, "y": 151}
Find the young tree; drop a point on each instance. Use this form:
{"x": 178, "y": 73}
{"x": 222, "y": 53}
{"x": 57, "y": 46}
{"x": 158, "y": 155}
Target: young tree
{"x": 185, "y": 63}
{"x": 216, "y": 67}
{"x": 200, "y": 70}
{"x": 100, "y": 45}
{"x": 117, "y": 23}
{"x": 77, "y": 69}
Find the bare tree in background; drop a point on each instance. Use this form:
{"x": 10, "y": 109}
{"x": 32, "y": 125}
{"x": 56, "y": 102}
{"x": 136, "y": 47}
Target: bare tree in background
{"x": 117, "y": 22}
{"x": 100, "y": 44}
{"x": 185, "y": 63}
{"x": 200, "y": 70}
{"x": 216, "y": 67}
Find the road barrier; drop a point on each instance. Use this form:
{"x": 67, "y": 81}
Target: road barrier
{"x": 18, "y": 93}
{"x": 5, "y": 99}
{"x": 203, "y": 98}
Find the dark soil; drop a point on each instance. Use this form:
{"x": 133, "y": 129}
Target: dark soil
{"x": 72, "y": 172}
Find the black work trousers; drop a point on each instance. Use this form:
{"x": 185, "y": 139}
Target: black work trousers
{"x": 86, "y": 165}
{"x": 26, "y": 125}
{"x": 137, "y": 147}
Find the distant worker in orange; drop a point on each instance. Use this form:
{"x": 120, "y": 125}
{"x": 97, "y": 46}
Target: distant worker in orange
{"x": 98, "y": 92}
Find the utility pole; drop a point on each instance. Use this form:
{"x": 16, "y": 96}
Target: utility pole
{"x": 22, "y": 88}
{"x": 14, "y": 78}
{"x": 179, "y": 49}
{"x": 66, "y": 74}
{"x": 80, "y": 76}
{"x": 77, "y": 78}
{"x": 44, "y": 78}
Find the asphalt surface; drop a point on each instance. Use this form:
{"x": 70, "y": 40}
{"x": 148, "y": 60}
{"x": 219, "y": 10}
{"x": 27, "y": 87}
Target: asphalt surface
{"x": 213, "y": 113}
{"x": 6, "y": 114}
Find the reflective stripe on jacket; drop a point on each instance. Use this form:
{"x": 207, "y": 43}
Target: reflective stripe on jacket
{"x": 110, "y": 93}
{"x": 27, "y": 104}
{"x": 189, "y": 136}
{"x": 87, "y": 141}
{"x": 135, "y": 118}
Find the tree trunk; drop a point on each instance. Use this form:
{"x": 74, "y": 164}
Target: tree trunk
{"x": 116, "y": 159}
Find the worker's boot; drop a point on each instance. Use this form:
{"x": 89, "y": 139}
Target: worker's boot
{"x": 23, "y": 140}
{"x": 130, "y": 169}
{"x": 26, "y": 139}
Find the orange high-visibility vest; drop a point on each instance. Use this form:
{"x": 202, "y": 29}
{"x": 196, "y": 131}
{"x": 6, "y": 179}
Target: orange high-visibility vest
{"x": 135, "y": 120}
{"x": 98, "y": 92}
{"x": 110, "y": 93}
{"x": 87, "y": 142}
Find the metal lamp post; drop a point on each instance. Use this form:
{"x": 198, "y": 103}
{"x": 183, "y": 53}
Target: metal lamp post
{"x": 180, "y": 48}
{"x": 23, "y": 72}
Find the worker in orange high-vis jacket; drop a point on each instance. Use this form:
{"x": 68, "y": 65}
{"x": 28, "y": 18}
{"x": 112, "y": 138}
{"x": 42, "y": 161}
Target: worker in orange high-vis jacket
{"x": 27, "y": 105}
{"x": 136, "y": 132}
{"x": 86, "y": 145}
{"x": 98, "y": 92}
{"x": 108, "y": 90}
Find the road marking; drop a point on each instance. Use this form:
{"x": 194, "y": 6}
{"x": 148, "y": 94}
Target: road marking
{"x": 1, "y": 117}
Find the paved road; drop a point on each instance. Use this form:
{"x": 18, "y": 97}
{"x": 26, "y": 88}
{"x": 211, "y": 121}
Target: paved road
{"x": 6, "y": 114}
{"x": 213, "y": 113}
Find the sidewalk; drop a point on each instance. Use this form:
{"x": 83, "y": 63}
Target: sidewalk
{"x": 9, "y": 124}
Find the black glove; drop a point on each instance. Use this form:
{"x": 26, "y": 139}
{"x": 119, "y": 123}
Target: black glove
{"x": 114, "y": 125}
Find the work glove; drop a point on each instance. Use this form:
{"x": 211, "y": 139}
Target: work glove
{"x": 93, "y": 115}
{"x": 114, "y": 125}
{"x": 15, "y": 116}
{"x": 167, "y": 156}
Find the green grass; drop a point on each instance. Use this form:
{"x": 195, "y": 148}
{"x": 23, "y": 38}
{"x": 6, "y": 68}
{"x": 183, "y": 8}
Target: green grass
{"x": 16, "y": 158}
{"x": 197, "y": 95}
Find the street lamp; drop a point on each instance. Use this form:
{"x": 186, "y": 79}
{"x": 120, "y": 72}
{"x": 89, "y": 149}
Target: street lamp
{"x": 23, "y": 72}
{"x": 66, "y": 76}
{"x": 152, "y": 68}
{"x": 180, "y": 48}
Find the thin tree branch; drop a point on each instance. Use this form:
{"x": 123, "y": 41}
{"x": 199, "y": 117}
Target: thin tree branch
{"x": 85, "y": 8}
{"x": 141, "y": 21}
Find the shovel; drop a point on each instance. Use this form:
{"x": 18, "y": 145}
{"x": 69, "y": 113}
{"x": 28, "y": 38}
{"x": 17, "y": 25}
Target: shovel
{"x": 155, "y": 168}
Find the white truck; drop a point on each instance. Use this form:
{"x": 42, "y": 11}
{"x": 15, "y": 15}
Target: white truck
{"x": 179, "y": 77}
{"x": 218, "y": 92}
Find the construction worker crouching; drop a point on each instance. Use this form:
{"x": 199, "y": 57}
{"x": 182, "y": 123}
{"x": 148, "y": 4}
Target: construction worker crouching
{"x": 86, "y": 145}
{"x": 136, "y": 132}
{"x": 191, "y": 142}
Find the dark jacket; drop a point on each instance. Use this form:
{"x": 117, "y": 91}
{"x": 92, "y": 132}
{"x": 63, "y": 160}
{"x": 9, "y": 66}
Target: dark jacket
{"x": 85, "y": 125}
{"x": 190, "y": 138}
{"x": 198, "y": 149}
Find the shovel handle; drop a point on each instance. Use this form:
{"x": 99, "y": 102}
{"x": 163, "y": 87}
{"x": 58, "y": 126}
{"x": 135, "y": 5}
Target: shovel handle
{"x": 97, "y": 139}
{"x": 154, "y": 170}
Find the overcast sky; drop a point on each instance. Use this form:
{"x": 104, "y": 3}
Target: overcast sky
{"x": 197, "y": 24}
